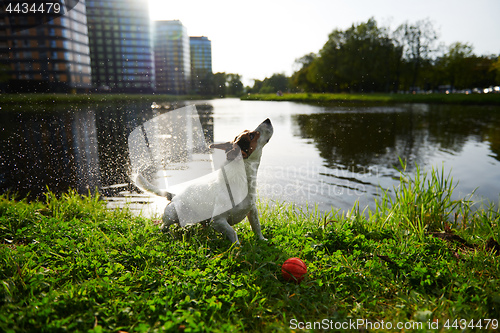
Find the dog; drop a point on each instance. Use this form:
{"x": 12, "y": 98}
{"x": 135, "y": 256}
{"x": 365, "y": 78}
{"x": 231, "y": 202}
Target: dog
{"x": 243, "y": 156}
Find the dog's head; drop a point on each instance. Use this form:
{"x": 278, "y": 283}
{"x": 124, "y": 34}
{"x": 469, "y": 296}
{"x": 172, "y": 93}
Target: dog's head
{"x": 248, "y": 142}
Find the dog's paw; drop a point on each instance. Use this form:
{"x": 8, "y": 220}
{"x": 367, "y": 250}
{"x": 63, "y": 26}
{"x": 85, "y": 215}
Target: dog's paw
{"x": 263, "y": 239}
{"x": 164, "y": 228}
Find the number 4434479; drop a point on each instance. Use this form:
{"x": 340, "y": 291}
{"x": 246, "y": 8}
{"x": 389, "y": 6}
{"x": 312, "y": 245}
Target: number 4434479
{"x": 33, "y": 8}
{"x": 478, "y": 324}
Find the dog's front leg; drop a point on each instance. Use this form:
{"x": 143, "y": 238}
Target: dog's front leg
{"x": 221, "y": 225}
{"x": 253, "y": 217}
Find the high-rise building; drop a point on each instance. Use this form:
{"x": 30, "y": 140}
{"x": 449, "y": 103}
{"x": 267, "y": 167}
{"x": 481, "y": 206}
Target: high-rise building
{"x": 201, "y": 63}
{"x": 50, "y": 57}
{"x": 121, "y": 48}
{"x": 172, "y": 58}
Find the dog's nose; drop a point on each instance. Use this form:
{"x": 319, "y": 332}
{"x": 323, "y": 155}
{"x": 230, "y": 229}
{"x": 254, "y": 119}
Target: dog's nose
{"x": 267, "y": 121}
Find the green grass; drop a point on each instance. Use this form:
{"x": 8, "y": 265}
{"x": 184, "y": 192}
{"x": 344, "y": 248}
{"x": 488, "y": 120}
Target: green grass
{"x": 376, "y": 98}
{"x": 68, "y": 264}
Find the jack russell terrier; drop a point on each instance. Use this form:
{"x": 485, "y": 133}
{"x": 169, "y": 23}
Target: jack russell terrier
{"x": 238, "y": 176}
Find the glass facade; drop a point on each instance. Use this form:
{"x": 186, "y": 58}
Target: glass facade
{"x": 121, "y": 48}
{"x": 51, "y": 57}
{"x": 172, "y": 58}
{"x": 201, "y": 62}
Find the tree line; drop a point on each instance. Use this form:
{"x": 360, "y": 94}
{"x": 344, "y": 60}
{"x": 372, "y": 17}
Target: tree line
{"x": 218, "y": 84}
{"x": 369, "y": 58}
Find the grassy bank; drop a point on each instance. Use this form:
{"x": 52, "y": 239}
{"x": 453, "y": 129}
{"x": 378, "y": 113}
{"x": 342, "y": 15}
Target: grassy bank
{"x": 68, "y": 264}
{"x": 54, "y": 99}
{"x": 369, "y": 99}
{"x": 9, "y": 100}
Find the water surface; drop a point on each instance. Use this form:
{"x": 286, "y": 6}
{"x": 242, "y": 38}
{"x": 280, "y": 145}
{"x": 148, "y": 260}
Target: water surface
{"x": 325, "y": 156}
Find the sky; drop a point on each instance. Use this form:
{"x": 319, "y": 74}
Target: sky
{"x": 259, "y": 38}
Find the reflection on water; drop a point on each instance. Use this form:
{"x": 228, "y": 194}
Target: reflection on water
{"x": 358, "y": 151}
{"x": 82, "y": 148}
{"x": 330, "y": 156}
{"x": 49, "y": 150}
{"x": 355, "y": 140}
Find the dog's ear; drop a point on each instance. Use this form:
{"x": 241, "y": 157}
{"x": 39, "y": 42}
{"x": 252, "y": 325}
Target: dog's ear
{"x": 232, "y": 149}
{"x": 224, "y": 146}
{"x": 234, "y": 152}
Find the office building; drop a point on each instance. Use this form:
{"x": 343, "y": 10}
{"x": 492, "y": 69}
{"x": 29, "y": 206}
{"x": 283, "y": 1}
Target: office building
{"x": 121, "y": 48}
{"x": 172, "y": 58}
{"x": 201, "y": 64}
{"x": 48, "y": 57}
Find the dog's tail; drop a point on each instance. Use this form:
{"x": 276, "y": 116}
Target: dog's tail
{"x": 145, "y": 185}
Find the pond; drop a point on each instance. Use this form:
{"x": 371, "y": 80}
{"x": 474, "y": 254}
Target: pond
{"x": 329, "y": 156}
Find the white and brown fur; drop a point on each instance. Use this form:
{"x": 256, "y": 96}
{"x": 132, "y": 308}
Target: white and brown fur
{"x": 250, "y": 144}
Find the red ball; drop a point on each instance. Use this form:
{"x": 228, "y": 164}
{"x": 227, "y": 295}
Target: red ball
{"x": 293, "y": 269}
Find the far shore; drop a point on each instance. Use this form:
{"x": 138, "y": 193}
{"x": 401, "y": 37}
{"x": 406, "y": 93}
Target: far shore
{"x": 377, "y": 98}
{"x": 51, "y": 99}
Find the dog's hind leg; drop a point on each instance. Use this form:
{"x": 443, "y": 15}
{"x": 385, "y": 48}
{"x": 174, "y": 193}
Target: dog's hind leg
{"x": 169, "y": 217}
{"x": 221, "y": 225}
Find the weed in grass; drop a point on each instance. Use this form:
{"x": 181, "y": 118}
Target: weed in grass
{"x": 420, "y": 204}
{"x": 68, "y": 264}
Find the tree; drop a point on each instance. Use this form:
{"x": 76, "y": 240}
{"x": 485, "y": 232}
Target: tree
{"x": 205, "y": 85}
{"x": 277, "y": 82}
{"x": 219, "y": 80}
{"x": 299, "y": 79}
{"x": 234, "y": 85}
{"x": 418, "y": 43}
{"x": 369, "y": 58}
{"x": 495, "y": 68}
{"x": 459, "y": 65}
{"x": 360, "y": 59}
{"x": 257, "y": 85}
{"x": 482, "y": 75}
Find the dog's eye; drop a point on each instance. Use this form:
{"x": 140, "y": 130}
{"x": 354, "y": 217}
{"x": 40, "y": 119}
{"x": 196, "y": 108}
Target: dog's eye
{"x": 251, "y": 135}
